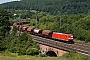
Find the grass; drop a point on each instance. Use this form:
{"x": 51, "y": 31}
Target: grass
{"x": 81, "y": 41}
{"x": 9, "y": 58}
{"x": 31, "y": 58}
{"x": 15, "y": 56}
{"x": 48, "y": 58}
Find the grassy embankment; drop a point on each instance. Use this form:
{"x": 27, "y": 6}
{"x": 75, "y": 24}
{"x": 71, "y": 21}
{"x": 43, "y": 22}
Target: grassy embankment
{"x": 15, "y": 56}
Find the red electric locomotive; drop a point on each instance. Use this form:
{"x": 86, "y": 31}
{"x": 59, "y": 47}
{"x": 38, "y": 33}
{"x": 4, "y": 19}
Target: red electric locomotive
{"x": 63, "y": 36}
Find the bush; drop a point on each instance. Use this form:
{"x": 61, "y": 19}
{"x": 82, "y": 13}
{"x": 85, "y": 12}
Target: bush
{"x": 22, "y": 44}
{"x": 74, "y": 56}
{"x": 32, "y": 51}
{"x": 7, "y": 53}
{"x": 42, "y": 55}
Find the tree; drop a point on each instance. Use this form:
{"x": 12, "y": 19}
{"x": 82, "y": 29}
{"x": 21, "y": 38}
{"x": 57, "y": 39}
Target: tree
{"x": 4, "y": 25}
{"x": 23, "y": 44}
{"x": 27, "y": 45}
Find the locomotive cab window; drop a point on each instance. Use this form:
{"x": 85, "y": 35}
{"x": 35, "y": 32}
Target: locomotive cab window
{"x": 70, "y": 36}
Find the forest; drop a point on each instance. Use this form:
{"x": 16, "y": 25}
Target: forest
{"x": 51, "y": 6}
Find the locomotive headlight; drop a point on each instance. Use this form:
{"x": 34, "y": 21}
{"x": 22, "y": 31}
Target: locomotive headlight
{"x": 71, "y": 36}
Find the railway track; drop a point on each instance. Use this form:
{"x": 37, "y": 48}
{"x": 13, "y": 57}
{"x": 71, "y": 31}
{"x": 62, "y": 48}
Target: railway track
{"x": 77, "y": 47}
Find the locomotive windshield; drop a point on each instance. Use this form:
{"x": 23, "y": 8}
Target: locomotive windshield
{"x": 70, "y": 36}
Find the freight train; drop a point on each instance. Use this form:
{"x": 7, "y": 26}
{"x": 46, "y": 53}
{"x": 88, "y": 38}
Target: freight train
{"x": 44, "y": 33}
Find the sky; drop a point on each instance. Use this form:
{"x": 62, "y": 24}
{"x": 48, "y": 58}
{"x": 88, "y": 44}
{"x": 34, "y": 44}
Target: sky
{"x": 4, "y": 1}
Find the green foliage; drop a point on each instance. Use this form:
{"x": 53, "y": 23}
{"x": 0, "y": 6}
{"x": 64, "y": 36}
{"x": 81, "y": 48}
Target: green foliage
{"x": 32, "y": 51}
{"x": 4, "y": 18}
{"x": 33, "y": 22}
{"x": 51, "y": 6}
{"x": 20, "y": 14}
{"x": 49, "y": 22}
{"x": 26, "y": 14}
{"x": 42, "y": 55}
{"x": 4, "y": 22}
{"x": 4, "y": 26}
{"x": 81, "y": 28}
{"x": 14, "y": 30}
{"x": 74, "y": 56}
{"x": 7, "y": 53}
{"x": 23, "y": 44}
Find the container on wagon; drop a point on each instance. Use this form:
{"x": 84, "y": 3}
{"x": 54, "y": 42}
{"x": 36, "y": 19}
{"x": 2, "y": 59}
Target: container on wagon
{"x": 47, "y": 33}
{"x": 24, "y": 28}
{"x": 30, "y": 30}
